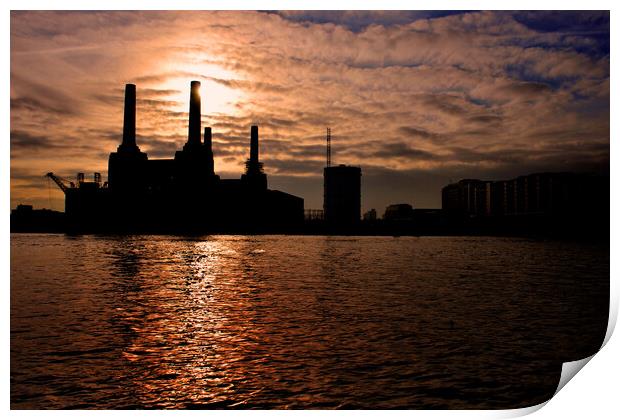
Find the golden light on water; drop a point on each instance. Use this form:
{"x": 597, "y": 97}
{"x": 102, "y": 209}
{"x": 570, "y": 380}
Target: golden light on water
{"x": 202, "y": 349}
{"x": 229, "y": 321}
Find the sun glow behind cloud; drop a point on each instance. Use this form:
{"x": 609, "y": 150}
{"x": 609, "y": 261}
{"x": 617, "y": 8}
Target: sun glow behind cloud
{"x": 216, "y": 98}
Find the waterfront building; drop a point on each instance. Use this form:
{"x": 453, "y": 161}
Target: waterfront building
{"x": 342, "y": 195}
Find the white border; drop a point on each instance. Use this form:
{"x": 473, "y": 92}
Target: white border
{"x": 593, "y": 393}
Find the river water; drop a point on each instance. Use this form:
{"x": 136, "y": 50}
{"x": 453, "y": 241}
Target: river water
{"x": 299, "y": 321}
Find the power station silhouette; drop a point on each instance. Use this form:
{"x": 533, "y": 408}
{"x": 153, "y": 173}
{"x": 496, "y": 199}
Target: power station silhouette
{"x": 185, "y": 195}
{"x": 180, "y": 194}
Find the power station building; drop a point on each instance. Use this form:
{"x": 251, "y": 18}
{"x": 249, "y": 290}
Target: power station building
{"x": 342, "y": 195}
{"x": 182, "y": 193}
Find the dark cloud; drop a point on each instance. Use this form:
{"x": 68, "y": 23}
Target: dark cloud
{"x": 34, "y": 105}
{"x": 419, "y": 132}
{"x": 114, "y": 100}
{"x": 307, "y": 151}
{"x": 590, "y": 26}
{"x": 448, "y": 104}
{"x": 503, "y": 156}
{"x": 151, "y": 104}
{"x": 401, "y": 150}
{"x": 485, "y": 119}
{"x": 38, "y": 97}
{"x": 22, "y": 140}
{"x": 252, "y": 86}
{"x": 357, "y": 20}
{"x": 527, "y": 88}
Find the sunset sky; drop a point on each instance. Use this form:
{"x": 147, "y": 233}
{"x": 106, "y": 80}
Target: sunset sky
{"x": 417, "y": 99}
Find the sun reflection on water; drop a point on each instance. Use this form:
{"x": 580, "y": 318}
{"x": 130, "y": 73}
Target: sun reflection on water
{"x": 199, "y": 336}
{"x": 297, "y": 322}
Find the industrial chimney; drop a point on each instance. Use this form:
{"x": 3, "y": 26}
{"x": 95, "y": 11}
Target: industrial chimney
{"x": 126, "y": 165}
{"x": 254, "y": 144}
{"x": 208, "y": 152}
{"x": 254, "y": 176}
{"x": 193, "y": 137}
{"x": 207, "y": 139}
{"x": 129, "y": 121}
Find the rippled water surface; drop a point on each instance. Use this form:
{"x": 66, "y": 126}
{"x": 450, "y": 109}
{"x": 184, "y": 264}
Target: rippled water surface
{"x": 299, "y": 322}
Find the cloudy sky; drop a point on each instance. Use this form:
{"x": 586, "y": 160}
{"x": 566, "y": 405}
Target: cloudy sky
{"x": 417, "y": 99}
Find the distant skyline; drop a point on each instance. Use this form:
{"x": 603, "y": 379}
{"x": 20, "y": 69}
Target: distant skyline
{"x": 417, "y": 99}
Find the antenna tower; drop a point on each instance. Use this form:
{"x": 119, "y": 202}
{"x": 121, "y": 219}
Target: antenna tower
{"x": 329, "y": 147}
